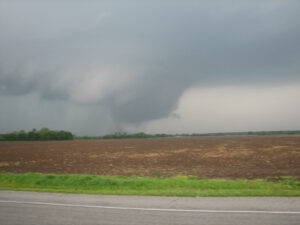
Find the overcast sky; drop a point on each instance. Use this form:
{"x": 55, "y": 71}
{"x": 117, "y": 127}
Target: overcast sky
{"x": 172, "y": 66}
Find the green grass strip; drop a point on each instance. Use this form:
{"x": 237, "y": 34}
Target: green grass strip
{"x": 175, "y": 186}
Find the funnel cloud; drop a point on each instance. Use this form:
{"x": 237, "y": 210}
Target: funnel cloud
{"x": 98, "y": 67}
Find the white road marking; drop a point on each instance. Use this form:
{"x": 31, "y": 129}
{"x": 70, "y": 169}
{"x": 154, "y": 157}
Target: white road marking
{"x": 151, "y": 209}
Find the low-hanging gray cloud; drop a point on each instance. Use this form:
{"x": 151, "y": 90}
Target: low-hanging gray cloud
{"x": 134, "y": 59}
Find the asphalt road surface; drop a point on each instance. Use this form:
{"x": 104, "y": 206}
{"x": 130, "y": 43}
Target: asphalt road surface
{"x": 72, "y": 209}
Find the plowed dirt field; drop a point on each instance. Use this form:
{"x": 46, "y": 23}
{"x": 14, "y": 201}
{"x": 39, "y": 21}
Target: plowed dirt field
{"x": 211, "y": 157}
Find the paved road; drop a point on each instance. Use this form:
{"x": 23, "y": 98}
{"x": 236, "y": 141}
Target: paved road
{"x": 48, "y": 208}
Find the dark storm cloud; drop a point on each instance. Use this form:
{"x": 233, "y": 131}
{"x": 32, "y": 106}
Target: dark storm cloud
{"x": 136, "y": 58}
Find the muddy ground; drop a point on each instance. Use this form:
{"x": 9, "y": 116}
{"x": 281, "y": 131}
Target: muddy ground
{"x": 211, "y": 157}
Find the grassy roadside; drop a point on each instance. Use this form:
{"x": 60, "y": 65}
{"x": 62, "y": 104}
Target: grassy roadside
{"x": 176, "y": 186}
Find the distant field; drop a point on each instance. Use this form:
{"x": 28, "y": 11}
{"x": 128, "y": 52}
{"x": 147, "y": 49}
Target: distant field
{"x": 210, "y": 157}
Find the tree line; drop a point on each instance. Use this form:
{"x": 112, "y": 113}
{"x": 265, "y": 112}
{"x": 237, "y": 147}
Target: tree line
{"x": 46, "y": 134}
{"x": 124, "y": 135}
{"x": 43, "y": 134}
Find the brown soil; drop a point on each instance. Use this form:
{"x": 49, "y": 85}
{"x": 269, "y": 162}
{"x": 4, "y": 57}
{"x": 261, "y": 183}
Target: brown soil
{"x": 235, "y": 157}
